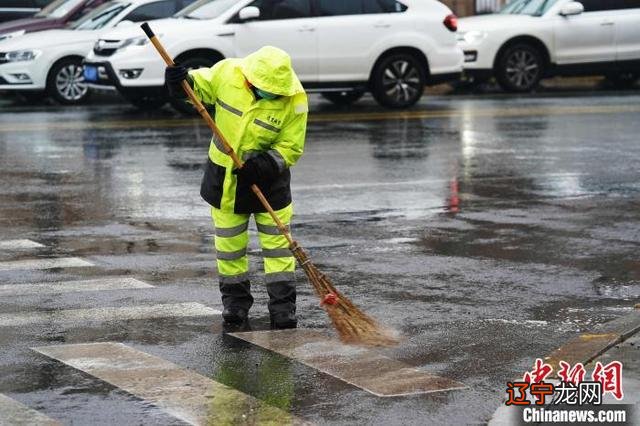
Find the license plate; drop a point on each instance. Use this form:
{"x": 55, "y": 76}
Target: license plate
{"x": 90, "y": 73}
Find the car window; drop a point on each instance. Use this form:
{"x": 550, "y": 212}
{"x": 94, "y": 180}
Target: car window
{"x": 338, "y": 7}
{"x": 100, "y": 16}
{"x": 382, "y": 6}
{"x": 527, "y": 7}
{"x": 88, "y": 7}
{"x": 282, "y": 9}
{"x": 38, "y": 3}
{"x": 156, "y": 10}
{"x": 58, "y": 8}
{"x": 603, "y": 5}
{"x": 206, "y": 9}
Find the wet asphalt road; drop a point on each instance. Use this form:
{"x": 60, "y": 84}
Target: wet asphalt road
{"x": 487, "y": 230}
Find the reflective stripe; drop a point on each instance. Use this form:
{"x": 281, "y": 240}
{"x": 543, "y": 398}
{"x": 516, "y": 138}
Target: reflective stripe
{"x": 229, "y": 108}
{"x": 269, "y": 229}
{"x": 218, "y": 143}
{"x": 279, "y": 252}
{"x": 233, "y": 279}
{"x": 231, "y": 232}
{"x": 266, "y": 125}
{"x": 278, "y": 159}
{"x": 280, "y": 277}
{"x": 231, "y": 255}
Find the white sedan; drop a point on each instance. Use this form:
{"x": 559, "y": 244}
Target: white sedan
{"x": 51, "y": 61}
{"x": 532, "y": 39}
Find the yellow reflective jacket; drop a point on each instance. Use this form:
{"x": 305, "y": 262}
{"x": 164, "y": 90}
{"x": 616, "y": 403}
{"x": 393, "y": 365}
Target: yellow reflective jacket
{"x": 252, "y": 126}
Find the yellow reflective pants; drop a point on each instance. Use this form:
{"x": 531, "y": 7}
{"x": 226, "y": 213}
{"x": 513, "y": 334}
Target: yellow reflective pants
{"x": 232, "y": 238}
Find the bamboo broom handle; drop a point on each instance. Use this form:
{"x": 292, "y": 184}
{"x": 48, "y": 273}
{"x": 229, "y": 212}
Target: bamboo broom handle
{"x": 212, "y": 125}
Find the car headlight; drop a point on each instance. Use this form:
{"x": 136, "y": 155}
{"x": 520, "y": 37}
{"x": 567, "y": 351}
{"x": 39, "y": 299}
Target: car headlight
{"x": 7, "y": 36}
{"x": 22, "y": 55}
{"x": 135, "y": 41}
{"x": 471, "y": 37}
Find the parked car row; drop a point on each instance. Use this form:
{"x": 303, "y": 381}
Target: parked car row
{"x": 340, "y": 49}
{"x": 391, "y": 48}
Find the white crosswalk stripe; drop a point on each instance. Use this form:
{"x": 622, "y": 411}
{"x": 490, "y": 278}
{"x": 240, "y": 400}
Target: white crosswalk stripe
{"x": 101, "y": 284}
{"x": 82, "y": 316}
{"x": 361, "y": 367}
{"x": 19, "y": 245}
{"x": 61, "y": 262}
{"x": 15, "y": 413}
{"x": 184, "y": 394}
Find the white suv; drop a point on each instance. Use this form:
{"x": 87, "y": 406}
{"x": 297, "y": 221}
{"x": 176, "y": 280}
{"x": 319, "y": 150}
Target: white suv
{"x": 531, "y": 39}
{"x": 341, "y": 49}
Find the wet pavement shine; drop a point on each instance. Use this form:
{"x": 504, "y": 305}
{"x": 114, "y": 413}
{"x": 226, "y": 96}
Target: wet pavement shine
{"x": 487, "y": 231}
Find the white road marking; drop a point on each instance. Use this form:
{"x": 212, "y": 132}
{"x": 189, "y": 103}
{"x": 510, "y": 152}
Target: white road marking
{"x": 184, "y": 394}
{"x": 30, "y": 264}
{"x": 19, "y": 245}
{"x": 82, "y": 316}
{"x": 101, "y": 284}
{"x": 15, "y": 413}
{"x": 364, "y": 368}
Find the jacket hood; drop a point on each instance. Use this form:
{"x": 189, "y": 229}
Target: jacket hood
{"x": 270, "y": 69}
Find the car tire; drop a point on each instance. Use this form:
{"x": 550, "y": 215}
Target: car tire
{"x": 147, "y": 103}
{"x": 190, "y": 63}
{"x": 398, "y": 80}
{"x": 65, "y": 82}
{"x": 343, "y": 98}
{"x": 520, "y": 68}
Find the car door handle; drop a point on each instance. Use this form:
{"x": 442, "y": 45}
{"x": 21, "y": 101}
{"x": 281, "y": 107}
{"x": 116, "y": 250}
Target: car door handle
{"x": 306, "y": 28}
{"x": 606, "y": 23}
{"x": 381, "y": 25}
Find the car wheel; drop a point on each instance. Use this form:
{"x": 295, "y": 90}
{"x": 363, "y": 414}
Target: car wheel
{"x": 66, "y": 82}
{"x": 146, "y": 103}
{"x": 520, "y": 68}
{"x": 398, "y": 81}
{"x": 192, "y": 63}
{"x": 343, "y": 98}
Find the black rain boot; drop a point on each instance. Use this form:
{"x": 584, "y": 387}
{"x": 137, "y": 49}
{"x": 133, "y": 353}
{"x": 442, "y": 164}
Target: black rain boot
{"x": 237, "y": 300}
{"x": 282, "y": 304}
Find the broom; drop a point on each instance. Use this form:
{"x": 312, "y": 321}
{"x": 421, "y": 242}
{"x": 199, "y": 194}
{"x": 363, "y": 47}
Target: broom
{"x": 352, "y": 325}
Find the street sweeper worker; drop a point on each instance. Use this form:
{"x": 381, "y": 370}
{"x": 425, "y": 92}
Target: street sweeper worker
{"x": 261, "y": 110}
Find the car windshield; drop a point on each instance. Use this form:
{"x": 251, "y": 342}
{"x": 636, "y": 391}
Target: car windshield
{"x": 58, "y": 9}
{"x": 100, "y": 16}
{"x": 527, "y": 7}
{"x": 206, "y": 9}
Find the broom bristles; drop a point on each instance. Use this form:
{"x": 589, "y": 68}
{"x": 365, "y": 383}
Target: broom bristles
{"x": 353, "y": 325}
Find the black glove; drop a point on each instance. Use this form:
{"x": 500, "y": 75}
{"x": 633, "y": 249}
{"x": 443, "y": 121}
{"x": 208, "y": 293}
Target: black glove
{"x": 261, "y": 169}
{"x": 174, "y": 75}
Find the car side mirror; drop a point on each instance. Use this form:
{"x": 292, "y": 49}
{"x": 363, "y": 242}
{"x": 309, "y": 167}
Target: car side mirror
{"x": 248, "y": 13}
{"x": 124, "y": 23}
{"x": 572, "y": 8}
